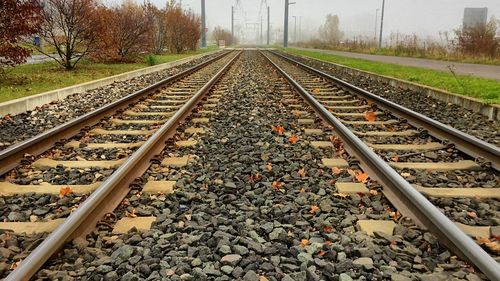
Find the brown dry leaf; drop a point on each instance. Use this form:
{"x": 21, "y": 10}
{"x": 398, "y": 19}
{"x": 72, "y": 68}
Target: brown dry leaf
{"x": 395, "y": 158}
{"x": 131, "y": 214}
{"x": 279, "y": 129}
{"x": 321, "y": 253}
{"x": 304, "y": 243}
{"x": 316, "y": 90}
{"x": 472, "y": 214}
{"x": 395, "y": 215}
{"x": 493, "y": 246}
{"x": 327, "y": 229}
{"x": 188, "y": 216}
{"x": 15, "y": 264}
{"x": 296, "y": 113}
{"x": 254, "y": 178}
{"x": 405, "y": 175}
{"x": 293, "y": 139}
{"x": 336, "y": 170}
{"x": 314, "y": 209}
{"x": 269, "y": 167}
{"x": 277, "y": 184}
{"x": 351, "y": 172}
{"x": 370, "y": 116}
{"x": 373, "y": 192}
{"x": 302, "y": 172}
{"x": 362, "y": 177}
{"x": 65, "y": 191}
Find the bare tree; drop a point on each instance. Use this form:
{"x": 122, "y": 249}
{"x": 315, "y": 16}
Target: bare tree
{"x": 69, "y": 26}
{"x": 158, "y": 31}
{"x": 330, "y": 31}
{"x": 220, "y": 33}
{"x": 183, "y": 29}
{"x": 479, "y": 40}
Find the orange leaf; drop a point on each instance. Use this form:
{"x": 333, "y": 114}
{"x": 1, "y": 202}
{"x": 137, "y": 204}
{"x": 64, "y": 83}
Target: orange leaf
{"x": 316, "y": 90}
{"x": 321, "y": 253}
{"x": 370, "y": 116}
{"x": 395, "y": 158}
{"x": 336, "y": 170}
{"x": 296, "y": 113}
{"x": 293, "y": 139}
{"x": 327, "y": 229}
{"x": 472, "y": 214}
{"x": 362, "y": 177}
{"x": 65, "y": 191}
{"x": 373, "y": 192}
{"x": 277, "y": 184}
{"x": 302, "y": 190}
{"x": 303, "y": 243}
{"x": 302, "y": 172}
{"x": 314, "y": 209}
{"x": 269, "y": 167}
{"x": 279, "y": 129}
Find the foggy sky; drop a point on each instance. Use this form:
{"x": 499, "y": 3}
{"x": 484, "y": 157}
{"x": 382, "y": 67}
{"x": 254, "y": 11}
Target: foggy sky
{"x": 357, "y": 17}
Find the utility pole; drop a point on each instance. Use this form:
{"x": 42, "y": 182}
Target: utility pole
{"x": 285, "y": 30}
{"x": 261, "y": 31}
{"x": 381, "y": 25}
{"x": 268, "y": 24}
{"x": 295, "y": 30}
{"x": 203, "y": 26}
{"x": 232, "y": 22}
{"x": 376, "y": 23}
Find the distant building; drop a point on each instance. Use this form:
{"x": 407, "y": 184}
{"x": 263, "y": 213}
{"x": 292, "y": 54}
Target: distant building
{"x": 475, "y": 16}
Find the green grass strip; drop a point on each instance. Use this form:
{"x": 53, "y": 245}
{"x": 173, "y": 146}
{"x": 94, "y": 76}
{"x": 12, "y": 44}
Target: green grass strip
{"x": 30, "y": 79}
{"x": 487, "y": 90}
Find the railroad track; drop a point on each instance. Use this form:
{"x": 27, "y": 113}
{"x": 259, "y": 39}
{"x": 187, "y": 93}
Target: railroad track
{"x": 99, "y": 161}
{"x": 244, "y": 188}
{"x": 429, "y": 155}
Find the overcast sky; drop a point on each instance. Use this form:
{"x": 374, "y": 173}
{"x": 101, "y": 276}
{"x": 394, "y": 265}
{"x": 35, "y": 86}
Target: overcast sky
{"x": 422, "y": 17}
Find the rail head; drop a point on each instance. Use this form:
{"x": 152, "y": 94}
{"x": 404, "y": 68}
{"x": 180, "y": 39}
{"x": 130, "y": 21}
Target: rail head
{"x": 467, "y": 143}
{"x": 112, "y": 189}
{"x": 401, "y": 194}
{"x": 12, "y": 155}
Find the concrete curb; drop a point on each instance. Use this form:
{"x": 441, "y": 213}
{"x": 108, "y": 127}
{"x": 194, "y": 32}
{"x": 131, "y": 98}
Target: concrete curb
{"x": 492, "y": 111}
{"x": 31, "y": 102}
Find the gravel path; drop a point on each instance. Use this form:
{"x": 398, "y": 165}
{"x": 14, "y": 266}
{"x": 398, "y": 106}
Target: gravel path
{"x": 458, "y": 117}
{"x": 255, "y": 204}
{"x": 19, "y": 127}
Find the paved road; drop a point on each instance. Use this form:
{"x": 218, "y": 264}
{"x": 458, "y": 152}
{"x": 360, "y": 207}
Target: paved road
{"x": 479, "y": 70}
{"x": 37, "y": 59}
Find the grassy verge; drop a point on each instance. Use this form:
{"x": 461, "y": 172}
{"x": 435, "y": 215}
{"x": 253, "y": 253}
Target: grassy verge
{"x": 487, "y": 90}
{"x": 31, "y": 79}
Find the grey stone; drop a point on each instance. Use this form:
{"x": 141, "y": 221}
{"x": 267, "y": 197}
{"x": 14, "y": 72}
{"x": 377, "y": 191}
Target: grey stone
{"x": 344, "y": 277}
{"x": 277, "y": 234}
{"x": 227, "y": 269}
{"x": 240, "y": 250}
{"x": 305, "y": 258}
{"x": 251, "y": 276}
{"x": 122, "y": 254}
{"x": 231, "y": 260}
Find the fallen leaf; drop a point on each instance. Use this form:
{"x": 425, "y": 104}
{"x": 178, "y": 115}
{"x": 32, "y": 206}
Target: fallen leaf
{"x": 370, "y": 116}
{"x": 293, "y": 139}
{"x": 65, "y": 191}
{"x": 304, "y": 243}
{"x": 131, "y": 214}
{"x": 472, "y": 214}
{"x": 14, "y": 265}
{"x": 296, "y": 113}
{"x": 336, "y": 170}
{"x": 302, "y": 172}
{"x": 314, "y": 209}
{"x": 328, "y": 242}
{"x": 373, "y": 192}
{"x": 316, "y": 90}
{"x": 255, "y": 178}
{"x": 395, "y": 158}
{"x": 277, "y": 184}
{"x": 302, "y": 190}
{"x": 362, "y": 177}
{"x": 279, "y": 129}
{"x": 269, "y": 167}
{"x": 351, "y": 172}
{"x": 327, "y": 229}
{"x": 395, "y": 215}
{"x": 321, "y": 253}
{"x": 188, "y": 216}
{"x": 342, "y": 195}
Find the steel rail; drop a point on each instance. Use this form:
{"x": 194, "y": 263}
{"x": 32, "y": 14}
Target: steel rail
{"x": 466, "y": 143}
{"x": 111, "y": 192}
{"x": 401, "y": 194}
{"x": 12, "y": 155}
